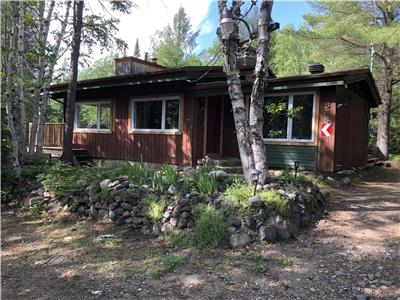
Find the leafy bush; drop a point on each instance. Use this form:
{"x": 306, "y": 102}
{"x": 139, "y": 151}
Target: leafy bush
{"x": 170, "y": 175}
{"x": 139, "y": 174}
{"x": 8, "y": 183}
{"x": 154, "y": 208}
{"x": 275, "y": 201}
{"x": 206, "y": 184}
{"x": 209, "y": 230}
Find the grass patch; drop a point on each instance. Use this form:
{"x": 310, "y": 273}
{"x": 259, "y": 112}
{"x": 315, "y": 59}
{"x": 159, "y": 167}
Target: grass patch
{"x": 209, "y": 230}
{"x": 165, "y": 264}
{"x": 239, "y": 194}
{"x": 288, "y": 176}
{"x": 394, "y": 157}
{"x": 275, "y": 201}
{"x": 154, "y": 208}
{"x": 285, "y": 261}
{"x": 259, "y": 267}
{"x": 206, "y": 184}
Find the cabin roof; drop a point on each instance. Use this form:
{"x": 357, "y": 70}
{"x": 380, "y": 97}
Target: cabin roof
{"x": 215, "y": 77}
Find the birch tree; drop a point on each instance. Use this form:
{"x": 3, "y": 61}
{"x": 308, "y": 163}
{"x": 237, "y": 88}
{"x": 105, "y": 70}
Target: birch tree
{"x": 248, "y": 131}
{"x": 71, "y": 92}
{"x": 10, "y": 92}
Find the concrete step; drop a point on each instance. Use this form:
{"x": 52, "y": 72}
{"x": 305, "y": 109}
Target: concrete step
{"x": 230, "y": 170}
{"x": 224, "y": 162}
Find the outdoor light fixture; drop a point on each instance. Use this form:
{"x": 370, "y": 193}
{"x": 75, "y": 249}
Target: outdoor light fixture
{"x": 255, "y": 177}
{"x": 296, "y": 167}
{"x": 227, "y": 24}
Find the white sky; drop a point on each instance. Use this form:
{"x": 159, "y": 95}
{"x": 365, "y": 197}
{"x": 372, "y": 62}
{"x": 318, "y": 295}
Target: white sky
{"x": 152, "y": 15}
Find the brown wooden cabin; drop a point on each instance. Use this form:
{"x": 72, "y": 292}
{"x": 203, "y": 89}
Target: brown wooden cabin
{"x": 155, "y": 114}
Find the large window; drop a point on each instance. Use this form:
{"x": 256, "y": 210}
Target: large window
{"x": 93, "y": 116}
{"x": 289, "y": 117}
{"x": 161, "y": 114}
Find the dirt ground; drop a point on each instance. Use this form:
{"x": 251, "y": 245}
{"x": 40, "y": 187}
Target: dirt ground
{"x": 353, "y": 250}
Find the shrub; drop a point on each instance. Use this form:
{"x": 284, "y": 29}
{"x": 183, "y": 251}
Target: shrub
{"x": 275, "y": 201}
{"x": 209, "y": 230}
{"x": 139, "y": 174}
{"x": 154, "y": 208}
{"x": 288, "y": 176}
{"x": 206, "y": 184}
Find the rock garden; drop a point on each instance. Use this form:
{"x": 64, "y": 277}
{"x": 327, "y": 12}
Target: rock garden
{"x": 188, "y": 207}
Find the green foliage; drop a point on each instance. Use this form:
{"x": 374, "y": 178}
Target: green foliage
{"x": 275, "y": 201}
{"x": 105, "y": 195}
{"x": 154, "y": 208}
{"x": 205, "y": 184}
{"x": 259, "y": 267}
{"x": 239, "y": 194}
{"x": 173, "y": 45}
{"x": 394, "y": 157}
{"x": 165, "y": 264}
{"x": 288, "y": 176}
{"x": 139, "y": 174}
{"x": 209, "y": 230}
{"x": 103, "y": 67}
{"x": 158, "y": 182}
{"x": 285, "y": 261}
{"x": 170, "y": 175}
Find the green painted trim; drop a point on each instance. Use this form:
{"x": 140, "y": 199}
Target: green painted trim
{"x": 284, "y": 156}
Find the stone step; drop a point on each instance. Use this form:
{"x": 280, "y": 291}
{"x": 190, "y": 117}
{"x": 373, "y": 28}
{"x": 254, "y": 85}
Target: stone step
{"x": 225, "y": 162}
{"x": 230, "y": 170}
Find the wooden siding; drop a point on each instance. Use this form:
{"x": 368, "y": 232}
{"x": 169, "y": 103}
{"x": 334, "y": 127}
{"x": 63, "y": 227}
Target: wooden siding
{"x": 282, "y": 156}
{"x": 326, "y": 145}
{"x": 351, "y": 134}
{"x": 230, "y": 146}
{"x": 121, "y": 144}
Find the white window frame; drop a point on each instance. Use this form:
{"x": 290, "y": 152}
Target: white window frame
{"x": 163, "y": 115}
{"x": 98, "y": 129}
{"x": 290, "y": 120}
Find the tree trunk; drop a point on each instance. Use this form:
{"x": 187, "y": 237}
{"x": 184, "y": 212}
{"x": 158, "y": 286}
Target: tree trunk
{"x": 256, "y": 116}
{"x": 10, "y": 92}
{"x": 71, "y": 92}
{"x": 48, "y": 79}
{"x": 382, "y": 141}
{"x": 44, "y": 32}
{"x": 20, "y": 82}
{"x": 230, "y": 48}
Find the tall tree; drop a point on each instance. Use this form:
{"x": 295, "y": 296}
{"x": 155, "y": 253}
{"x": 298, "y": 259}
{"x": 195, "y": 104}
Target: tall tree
{"x": 251, "y": 146}
{"x": 174, "y": 44}
{"x": 136, "y": 52}
{"x": 352, "y": 28}
{"x": 71, "y": 91}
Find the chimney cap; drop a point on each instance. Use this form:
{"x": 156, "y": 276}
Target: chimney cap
{"x": 316, "y": 68}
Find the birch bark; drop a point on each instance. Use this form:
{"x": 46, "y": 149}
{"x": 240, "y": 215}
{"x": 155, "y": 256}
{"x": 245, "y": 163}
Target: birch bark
{"x": 71, "y": 92}
{"x": 48, "y": 78}
{"x": 256, "y": 114}
{"x": 10, "y": 92}
{"x": 20, "y": 81}
{"x": 44, "y": 32}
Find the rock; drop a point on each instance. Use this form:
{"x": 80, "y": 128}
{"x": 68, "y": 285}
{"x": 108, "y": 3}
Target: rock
{"x": 40, "y": 191}
{"x": 250, "y": 222}
{"x": 363, "y": 297}
{"x": 93, "y": 188}
{"x": 93, "y": 211}
{"x": 172, "y": 189}
{"x": 102, "y": 214}
{"x": 255, "y": 202}
{"x": 112, "y": 206}
{"x": 112, "y": 215}
{"x": 120, "y": 220}
{"x": 268, "y": 233}
{"x": 166, "y": 227}
{"x": 264, "y": 213}
{"x": 137, "y": 220}
{"x": 47, "y": 194}
{"x": 113, "y": 184}
{"x": 291, "y": 195}
{"x": 147, "y": 230}
{"x": 128, "y": 220}
{"x": 186, "y": 208}
{"x": 231, "y": 230}
{"x": 167, "y": 214}
{"x": 35, "y": 201}
{"x": 293, "y": 229}
{"x": 346, "y": 181}
{"x": 156, "y": 230}
{"x": 239, "y": 240}
{"x": 126, "y": 206}
{"x": 183, "y": 201}
{"x": 81, "y": 210}
{"x": 182, "y": 223}
{"x": 218, "y": 173}
{"x": 117, "y": 198}
{"x": 278, "y": 219}
{"x": 119, "y": 211}
{"x": 126, "y": 213}
{"x": 282, "y": 233}
{"x": 146, "y": 221}
{"x": 176, "y": 211}
{"x": 234, "y": 222}
{"x": 104, "y": 183}
{"x": 185, "y": 214}
{"x": 174, "y": 222}
{"x": 190, "y": 224}
{"x": 136, "y": 208}
{"x": 98, "y": 205}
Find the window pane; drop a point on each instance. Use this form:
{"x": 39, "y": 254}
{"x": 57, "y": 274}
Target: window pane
{"x": 148, "y": 114}
{"x": 87, "y": 116}
{"x": 302, "y": 121}
{"x": 172, "y": 114}
{"x": 105, "y": 116}
{"x": 275, "y": 117}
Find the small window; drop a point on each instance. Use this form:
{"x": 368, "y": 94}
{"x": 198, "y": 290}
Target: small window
{"x": 93, "y": 116}
{"x": 289, "y": 117}
{"x": 156, "y": 115}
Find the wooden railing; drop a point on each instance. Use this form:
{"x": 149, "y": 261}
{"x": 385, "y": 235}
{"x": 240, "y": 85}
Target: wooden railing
{"x": 53, "y": 134}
